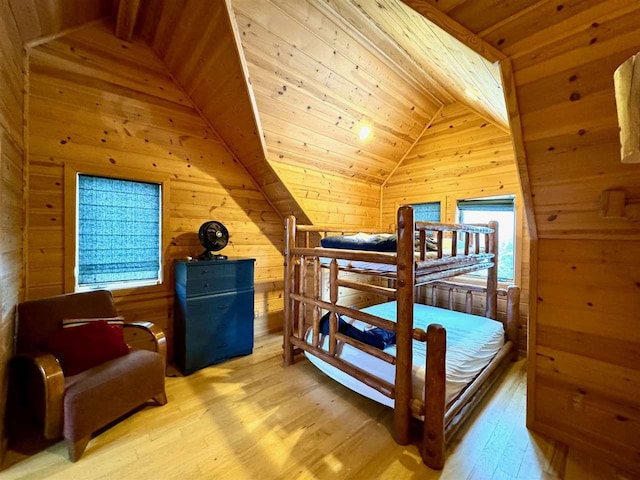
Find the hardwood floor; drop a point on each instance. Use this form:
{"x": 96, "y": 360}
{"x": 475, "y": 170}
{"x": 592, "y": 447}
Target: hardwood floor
{"x": 251, "y": 418}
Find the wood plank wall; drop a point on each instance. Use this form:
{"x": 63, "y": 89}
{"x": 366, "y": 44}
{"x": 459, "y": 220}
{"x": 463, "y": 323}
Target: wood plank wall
{"x": 584, "y": 361}
{"x": 461, "y": 156}
{"x": 316, "y": 83}
{"x": 37, "y": 18}
{"x": 586, "y": 373}
{"x": 101, "y": 101}
{"x": 12, "y": 216}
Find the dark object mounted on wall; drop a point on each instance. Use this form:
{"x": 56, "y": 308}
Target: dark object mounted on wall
{"x": 213, "y": 236}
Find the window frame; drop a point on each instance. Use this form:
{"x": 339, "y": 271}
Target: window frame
{"x": 448, "y": 207}
{"x": 458, "y": 218}
{"x": 71, "y": 172}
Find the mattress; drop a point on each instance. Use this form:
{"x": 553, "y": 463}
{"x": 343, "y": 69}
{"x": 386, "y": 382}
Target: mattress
{"x": 472, "y": 341}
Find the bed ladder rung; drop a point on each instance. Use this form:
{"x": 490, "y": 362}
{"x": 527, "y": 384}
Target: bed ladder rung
{"x": 367, "y": 348}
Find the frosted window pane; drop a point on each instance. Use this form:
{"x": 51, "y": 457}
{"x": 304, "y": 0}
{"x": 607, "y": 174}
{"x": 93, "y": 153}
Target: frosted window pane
{"x": 118, "y": 230}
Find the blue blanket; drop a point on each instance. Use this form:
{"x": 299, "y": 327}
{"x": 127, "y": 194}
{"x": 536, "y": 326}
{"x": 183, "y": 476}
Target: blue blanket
{"x": 376, "y": 337}
{"x": 373, "y": 243}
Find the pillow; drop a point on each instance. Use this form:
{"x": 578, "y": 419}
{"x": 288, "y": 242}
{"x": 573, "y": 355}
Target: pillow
{"x": 376, "y": 337}
{"x": 86, "y": 346}
{"x": 381, "y": 242}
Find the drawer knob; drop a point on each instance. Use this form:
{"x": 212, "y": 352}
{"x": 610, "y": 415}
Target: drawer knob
{"x": 223, "y": 307}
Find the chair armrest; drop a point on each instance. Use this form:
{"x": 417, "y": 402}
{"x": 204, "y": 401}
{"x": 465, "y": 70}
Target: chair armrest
{"x": 50, "y": 371}
{"x": 158, "y": 336}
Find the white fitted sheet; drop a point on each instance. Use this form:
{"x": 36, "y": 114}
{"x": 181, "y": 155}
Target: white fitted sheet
{"x": 472, "y": 341}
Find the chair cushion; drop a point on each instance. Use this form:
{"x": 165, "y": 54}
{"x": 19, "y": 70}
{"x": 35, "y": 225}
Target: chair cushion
{"x": 100, "y": 395}
{"x": 86, "y": 346}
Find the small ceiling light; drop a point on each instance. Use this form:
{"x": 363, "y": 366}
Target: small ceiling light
{"x": 364, "y": 132}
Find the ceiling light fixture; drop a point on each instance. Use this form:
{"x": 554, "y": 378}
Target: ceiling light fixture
{"x": 364, "y": 132}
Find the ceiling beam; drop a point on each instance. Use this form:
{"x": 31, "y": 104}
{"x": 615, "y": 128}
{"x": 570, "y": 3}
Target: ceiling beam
{"x": 126, "y": 18}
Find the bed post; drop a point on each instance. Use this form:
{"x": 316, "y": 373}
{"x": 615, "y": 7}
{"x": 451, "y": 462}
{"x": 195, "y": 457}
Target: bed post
{"x": 289, "y": 264}
{"x": 513, "y": 317}
{"x": 491, "y": 309}
{"x": 404, "y": 326}
{"x": 433, "y": 439}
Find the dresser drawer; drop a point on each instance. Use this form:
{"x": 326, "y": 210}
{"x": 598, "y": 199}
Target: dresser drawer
{"x": 220, "y": 327}
{"x": 223, "y": 277}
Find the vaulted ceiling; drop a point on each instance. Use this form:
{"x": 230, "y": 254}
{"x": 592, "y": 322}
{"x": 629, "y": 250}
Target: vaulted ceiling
{"x": 290, "y": 84}
{"x": 322, "y": 70}
{"x": 317, "y": 73}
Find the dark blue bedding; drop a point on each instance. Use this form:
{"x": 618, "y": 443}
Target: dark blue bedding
{"x": 373, "y": 243}
{"x": 376, "y": 337}
{"x": 384, "y": 242}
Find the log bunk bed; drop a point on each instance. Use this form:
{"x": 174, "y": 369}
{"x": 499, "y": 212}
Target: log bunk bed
{"x": 409, "y": 267}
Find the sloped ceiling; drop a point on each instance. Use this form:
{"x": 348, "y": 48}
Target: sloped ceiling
{"x": 198, "y": 44}
{"x": 290, "y": 84}
{"x": 317, "y": 82}
{"x": 320, "y": 70}
{"x": 429, "y": 54}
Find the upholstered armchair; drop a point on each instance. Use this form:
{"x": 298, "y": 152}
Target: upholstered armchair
{"x": 73, "y": 403}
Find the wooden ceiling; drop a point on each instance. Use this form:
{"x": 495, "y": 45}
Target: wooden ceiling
{"x": 290, "y": 84}
{"x": 319, "y": 71}
{"x": 317, "y": 82}
{"x": 447, "y": 67}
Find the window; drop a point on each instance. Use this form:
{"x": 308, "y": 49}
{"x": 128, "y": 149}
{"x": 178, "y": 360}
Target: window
{"x": 427, "y": 212}
{"x": 502, "y": 210}
{"x": 118, "y": 225}
{"x": 116, "y": 228}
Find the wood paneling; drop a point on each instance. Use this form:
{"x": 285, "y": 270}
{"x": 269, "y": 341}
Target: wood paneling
{"x": 127, "y": 14}
{"x": 97, "y": 100}
{"x": 462, "y": 155}
{"x": 317, "y": 81}
{"x": 12, "y": 217}
{"x": 468, "y": 77}
{"x": 330, "y": 199}
{"x": 198, "y": 42}
{"x": 40, "y": 18}
{"x": 318, "y": 72}
{"x": 586, "y": 274}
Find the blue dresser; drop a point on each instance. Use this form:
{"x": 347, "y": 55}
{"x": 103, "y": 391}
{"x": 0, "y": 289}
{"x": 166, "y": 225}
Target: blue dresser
{"x": 213, "y": 311}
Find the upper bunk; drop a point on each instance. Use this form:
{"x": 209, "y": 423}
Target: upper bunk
{"x": 432, "y": 251}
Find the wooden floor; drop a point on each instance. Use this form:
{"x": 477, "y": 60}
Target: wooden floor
{"x": 251, "y": 418}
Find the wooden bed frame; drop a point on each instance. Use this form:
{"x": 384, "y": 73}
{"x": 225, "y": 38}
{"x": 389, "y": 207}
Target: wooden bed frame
{"x": 302, "y": 285}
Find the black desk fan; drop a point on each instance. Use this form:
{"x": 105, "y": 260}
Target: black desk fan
{"x": 213, "y": 236}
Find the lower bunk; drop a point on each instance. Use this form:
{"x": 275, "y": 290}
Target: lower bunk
{"x": 457, "y": 357}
